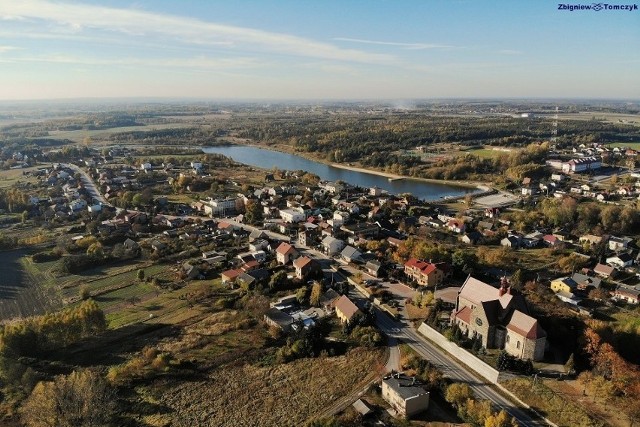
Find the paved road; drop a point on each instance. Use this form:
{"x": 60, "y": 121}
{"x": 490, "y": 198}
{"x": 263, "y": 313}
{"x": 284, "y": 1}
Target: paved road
{"x": 88, "y": 183}
{"x": 451, "y": 368}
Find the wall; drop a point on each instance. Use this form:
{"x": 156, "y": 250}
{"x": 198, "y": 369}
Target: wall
{"x": 468, "y": 359}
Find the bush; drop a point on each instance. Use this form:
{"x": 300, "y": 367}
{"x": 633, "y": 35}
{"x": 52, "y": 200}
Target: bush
{"x": 45, "y": 256}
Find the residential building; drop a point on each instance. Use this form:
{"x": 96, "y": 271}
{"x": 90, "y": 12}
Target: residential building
{"x": 278, "y": 319}
{"x": 351, "y": 254}
{"x": 499, "y": 319}
{"x": 345, "y": 309}
{"x": 585, "y": 282}
{"x": 332, "y": 246}
{"x": 622, "y": 260}
{"x": 626, "y": 294}
{"x": 619, "y": 243}
{"x": 304, "y": 267}
{"x": 604, "y": 271}
{"x": 221, "y": 207}
{"x": 405, "y": 395}
{"x": 426, "y": 273}
{"x": 285, "y": 253}
{"x": 373, "y": 268}
{"x": 564, "y": 284}
{"x": 292, "y": 215}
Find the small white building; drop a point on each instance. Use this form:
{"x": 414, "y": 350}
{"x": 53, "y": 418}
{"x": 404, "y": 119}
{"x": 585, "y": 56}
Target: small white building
{"x": 292, "y": 215}
{"x": 405, "y": 395}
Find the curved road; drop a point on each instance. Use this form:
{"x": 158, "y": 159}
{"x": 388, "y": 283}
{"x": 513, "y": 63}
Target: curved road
{"x": 397, "y": 331}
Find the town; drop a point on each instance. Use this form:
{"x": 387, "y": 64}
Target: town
{"x": 495, "y": 304}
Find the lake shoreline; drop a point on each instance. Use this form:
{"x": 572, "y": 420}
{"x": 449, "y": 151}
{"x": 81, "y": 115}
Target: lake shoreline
{"x": 480, "y": 186}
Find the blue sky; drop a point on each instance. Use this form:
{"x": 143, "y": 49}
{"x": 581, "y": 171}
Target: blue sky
{"x": 316, "y": 49}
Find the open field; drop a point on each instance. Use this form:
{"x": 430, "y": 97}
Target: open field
{"x": 10, "y": 177}
{"x": 632, "y": 119}
{"x": 97, "y": 134}
{"x": 632, "y": 145}
{"x": 23, "y": 291}
{"x": 282, "y": 395}
{"x": 487, "y": 153}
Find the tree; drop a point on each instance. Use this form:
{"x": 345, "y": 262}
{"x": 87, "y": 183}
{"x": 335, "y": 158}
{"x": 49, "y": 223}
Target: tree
{"x": 316, "y": 293}
{"x": 517, "y": 279}
{"x": 25, "y": 216}
{"x": 302, "y": 295}
{"x": 82, "y": 398}
{"x": 253, "y": 212}
{"x": 84, "y": 292}
{"x": 457, "y": 394}
{"x": 278, "y": 280}
{"x": 96, "y": 250}
{"x": 500, "y": 419}
{"x": 140, "y": 275}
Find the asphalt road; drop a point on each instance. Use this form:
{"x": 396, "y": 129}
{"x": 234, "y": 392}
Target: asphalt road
{"x": 398, "y": 330}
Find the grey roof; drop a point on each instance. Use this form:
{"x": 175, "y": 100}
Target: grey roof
{"x": 584, "y": 280}
{"x": 404, "y": 386}
{"x": 279, "y": 317}
{"x": 351, "y": 252}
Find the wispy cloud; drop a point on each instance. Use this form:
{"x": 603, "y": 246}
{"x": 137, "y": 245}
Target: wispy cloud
{"x": 7, "y": 48}
{"x": 198, "y": 63}
{"x": 83, "y": 17}
{"x": 408, "y": 46}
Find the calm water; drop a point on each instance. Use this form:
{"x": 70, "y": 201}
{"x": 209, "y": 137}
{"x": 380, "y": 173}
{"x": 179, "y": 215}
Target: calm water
{"x": 267, "y": 159}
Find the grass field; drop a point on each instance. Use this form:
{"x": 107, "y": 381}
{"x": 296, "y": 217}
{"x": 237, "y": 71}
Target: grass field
{"x": 80, "y": 135}
{"x": 487, "y": 153}
{"x": 9, "y": 178}
{"x": 24, "y": 290}
{"x": 632, "y": 145}
{"x": 282, "y": 395}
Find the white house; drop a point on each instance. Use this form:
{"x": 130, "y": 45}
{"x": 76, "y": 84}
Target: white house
{"x": 292, "y": 215}
{"x": 332, "y": 246}
{"x": 146, "y": 167}
{"x": 620, "y": 261}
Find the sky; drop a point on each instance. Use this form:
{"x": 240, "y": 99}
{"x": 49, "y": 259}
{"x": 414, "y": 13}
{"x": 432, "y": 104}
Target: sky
{"x": 320, "y": 50}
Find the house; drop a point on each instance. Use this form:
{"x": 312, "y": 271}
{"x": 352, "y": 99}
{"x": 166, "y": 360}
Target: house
{"x": 512, "y": 241}
{"x": 373, "y": 268}
{"x": 590, "y": 239}
{"x": 285, "y": 252}
{"x": 304, "y": 267}
{"x": 158, "y": 246}
{"x": 621, "y": 261}
{"x": 292, "y": 215}
{"x": 626, "y": 294}
{"x": 499, "y": 319}
{"x": 146, "y": 167}
{"x": 564, "y": 284}
{"x": 456, "y": 225}
{"x": 604, "y": 271}
{"x": 351, "y": 254}
{"x": 331, "y": 245}
{"x": 345, "y": 309}
{"x": 230, "y": 276}
{"x": 471, "y": 238}
{"x": 426, "y": 273}
{"x": 491, "y": 212}
{"x": 361, "y": 407}
{"x": 585, "y": 282}
{"x": 328, "y": 300}
{"x": 619, "y": 243}
{"x": 552, "y": 241}
{"x": 190, "y": 271}
{"x": 278, "y": 319}
{"x": 405, "y": 395}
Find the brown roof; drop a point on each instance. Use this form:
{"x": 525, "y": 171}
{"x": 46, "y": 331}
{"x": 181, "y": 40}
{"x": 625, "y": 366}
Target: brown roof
{"x": 604, "y": 269}
{"x": 231, "y": 274}
{"x": 301, "y": 262}
{"x": 285, "y": 248}
{"x": 346, "y": 307}
{"x": 525, "y": 325}
{"x": 464, "y": 314}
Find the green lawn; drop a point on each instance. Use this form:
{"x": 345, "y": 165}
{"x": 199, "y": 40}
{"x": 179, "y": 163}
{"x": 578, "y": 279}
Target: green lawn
{"x": 632, "y": 145}
{"x": 487, "y": 153}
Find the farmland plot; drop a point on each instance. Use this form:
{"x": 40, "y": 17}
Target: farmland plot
{"x": 23, "y": 292}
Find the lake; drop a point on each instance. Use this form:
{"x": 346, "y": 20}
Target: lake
{"x": 267, "y": 159}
